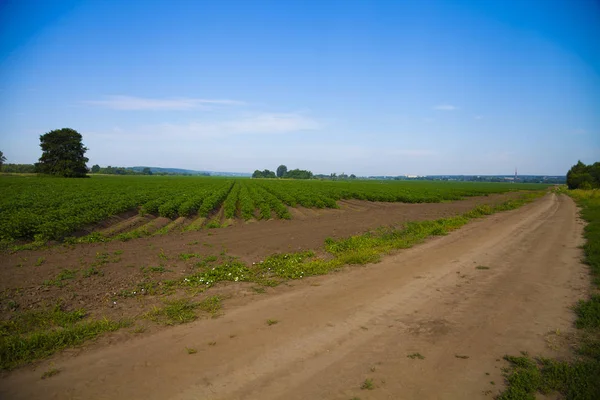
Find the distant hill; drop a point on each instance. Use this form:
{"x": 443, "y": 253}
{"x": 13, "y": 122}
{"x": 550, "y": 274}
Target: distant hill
{"x": 180, "y": 171}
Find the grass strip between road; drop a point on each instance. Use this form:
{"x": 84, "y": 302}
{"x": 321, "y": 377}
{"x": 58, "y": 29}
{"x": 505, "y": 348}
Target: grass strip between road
{"x": 32, "y": 335}
{"x": 578, "y": 378}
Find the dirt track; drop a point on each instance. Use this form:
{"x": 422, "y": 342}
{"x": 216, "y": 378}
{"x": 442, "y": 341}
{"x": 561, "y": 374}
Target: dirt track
{"x": 336, "y": 331}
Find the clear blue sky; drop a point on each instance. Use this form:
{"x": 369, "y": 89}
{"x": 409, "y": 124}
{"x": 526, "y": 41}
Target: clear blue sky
{"x": 363, "y": 87}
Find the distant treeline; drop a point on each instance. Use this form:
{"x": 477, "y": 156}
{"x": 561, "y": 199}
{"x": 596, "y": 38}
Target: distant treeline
{"x": 582, "y": 176}
{"x": 282, "y": 172}
{"x": 18, "y": 168}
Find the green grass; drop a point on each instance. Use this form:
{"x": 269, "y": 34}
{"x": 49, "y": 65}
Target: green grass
{"x": 416, "y": 356}
{"x": 50, "y": 373}
{"x": 367, "y": 384}
{"x": 182, "y": 311}
{"x": 59, "y": 280}
{"x": 174, "y": 312}
{"x": 272, "y": 322}
{"x": 578, "y": 378}
{"x": 482, "y": 267}
{"x": 191, "y": 350}
{"x": 33, "y": 335}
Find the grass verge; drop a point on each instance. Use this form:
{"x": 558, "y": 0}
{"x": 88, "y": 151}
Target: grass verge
{"x": 578, "y": 378}
{"x": 34, "y": 335}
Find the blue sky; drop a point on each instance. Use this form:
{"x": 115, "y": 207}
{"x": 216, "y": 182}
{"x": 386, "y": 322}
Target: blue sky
{"x": 363, "y": 87}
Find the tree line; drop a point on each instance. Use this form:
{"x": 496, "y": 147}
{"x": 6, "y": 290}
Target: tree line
{"x": 282, "y": 172}
{"x": 582, "y": 176}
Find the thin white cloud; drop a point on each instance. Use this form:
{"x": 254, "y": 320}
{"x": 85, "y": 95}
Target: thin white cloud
{"x": 445, "y": 107}
{"x": 142, "y": 103}
{"x": 258, "y": 124}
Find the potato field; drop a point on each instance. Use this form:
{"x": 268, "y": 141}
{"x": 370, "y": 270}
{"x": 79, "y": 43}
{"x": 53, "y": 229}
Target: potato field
{"x": 36, "y": 208}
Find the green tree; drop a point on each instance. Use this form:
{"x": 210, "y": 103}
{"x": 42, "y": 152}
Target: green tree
{"x": 582, "y": 176}
{"x": 147, "y": 171}
{"x": 299, "y": 174}
{"x": 63, "y": 154}
{"x": 2, "y": 159}
{"x": 281, "y": 171}
{"x": 95, "y": 169}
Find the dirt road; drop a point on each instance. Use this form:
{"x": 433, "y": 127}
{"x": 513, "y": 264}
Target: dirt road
{"x": 335, "y": 332}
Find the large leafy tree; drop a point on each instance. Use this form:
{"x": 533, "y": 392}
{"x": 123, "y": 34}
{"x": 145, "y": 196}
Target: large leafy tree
{"x": 63, "y": 154}
{"x": 281, "y": 171}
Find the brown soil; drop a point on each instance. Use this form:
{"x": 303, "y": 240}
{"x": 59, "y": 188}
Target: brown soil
{"x": 336, "y": 331}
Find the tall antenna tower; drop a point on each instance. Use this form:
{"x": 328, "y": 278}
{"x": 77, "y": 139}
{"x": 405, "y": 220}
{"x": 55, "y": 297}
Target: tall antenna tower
{"x": 515, "y": 175}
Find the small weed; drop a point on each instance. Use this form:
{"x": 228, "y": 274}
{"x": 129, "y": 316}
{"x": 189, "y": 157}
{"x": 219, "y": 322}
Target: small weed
{"x": 258, "y": 289}
{"x": 415, "y": 356}
{"x": 64, "y": 275}
{"x": 482, "y": 267}
{"x": 118, "y": 252}
{"x": 191, "y": 350}
{"x": 40, "y": 261}
{"x": 272, "y": 322}
{"x": 162, "y": 255}
{"x": 91, "y": 272}
{"x": 373, "y": 369}
{"x": 212, "y": 343}
{"x": 364, "y": 328}
{"x": 50, "y": 373}
{"x": 459, "y": 356}
{"x": 187, "y": 256}
{"x": 213, "y": 224}
{"x": 192, "y": 243}
{"x": 367, "y": 385}
{"x": 140, "y": 329}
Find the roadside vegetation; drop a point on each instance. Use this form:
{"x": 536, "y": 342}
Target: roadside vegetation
{"x": 578, "y": 378}
{"x": 36, "y": 334}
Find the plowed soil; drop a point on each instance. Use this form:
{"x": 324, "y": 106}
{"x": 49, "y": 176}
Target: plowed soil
{"x": 336, "y": 331}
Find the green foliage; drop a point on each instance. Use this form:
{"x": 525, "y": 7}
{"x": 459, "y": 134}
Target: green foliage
{"x": 174, "y": 312}
{"x": 40, "y": 209}
{"x": 64, "y": 275}
{"x": 230, "y": 204}
{"x": 19, "y": 168}
{"x": 63, "y": 154}
{"x": 33, "y": 335}
{"x": 2, "y": 159}
{"x": 582, "y": 176}
{"x": 298, "y": 174}
{"x": 281, "y": 171}
{"x": 264, "y": 174}
{"x": 181, "y": 311}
